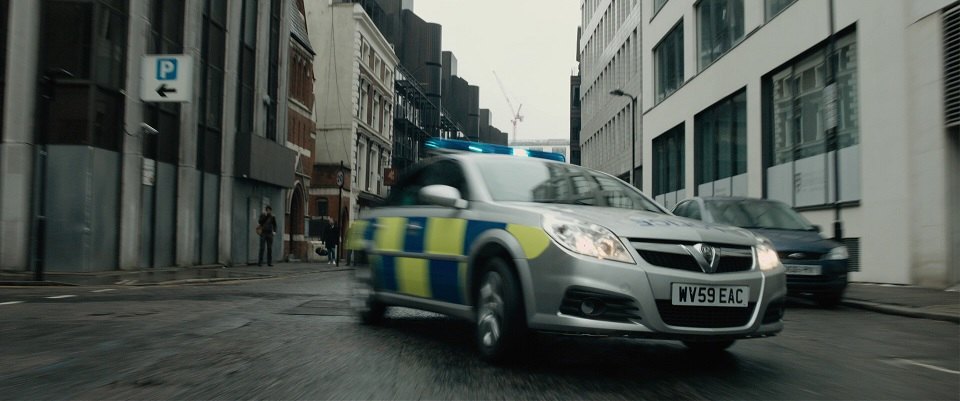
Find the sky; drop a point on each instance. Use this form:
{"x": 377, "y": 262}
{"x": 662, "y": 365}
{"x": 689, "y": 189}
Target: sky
{"x": 531, "y": 44}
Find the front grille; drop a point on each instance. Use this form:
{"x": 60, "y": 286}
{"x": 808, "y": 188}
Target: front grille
{"x": 730, "y": 264}
{"x": 678, "y": 256}
{"x": 615, "y": 308}
{"x": 670, "y": 260}
{"x": 704, "y": 316}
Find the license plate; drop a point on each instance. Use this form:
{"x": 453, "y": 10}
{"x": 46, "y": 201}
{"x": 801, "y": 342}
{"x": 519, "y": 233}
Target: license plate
{"x": 803, "y": 270}
{"x": 710, "y": 295}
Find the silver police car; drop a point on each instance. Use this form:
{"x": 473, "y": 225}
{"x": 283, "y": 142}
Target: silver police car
{"x": 516, "y": 244}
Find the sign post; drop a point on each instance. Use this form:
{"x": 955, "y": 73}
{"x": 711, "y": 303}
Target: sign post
{"x": 166, "y": 78}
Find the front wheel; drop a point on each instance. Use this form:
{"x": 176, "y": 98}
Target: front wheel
{"x": 368, "y": 309}
{"x": 501, "y": 324}
{"x": 708, "y": 346}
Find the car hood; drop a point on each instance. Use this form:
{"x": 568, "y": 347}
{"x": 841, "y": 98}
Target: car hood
{"x": 648, "y": 225}
{"x": 796, "y": 241}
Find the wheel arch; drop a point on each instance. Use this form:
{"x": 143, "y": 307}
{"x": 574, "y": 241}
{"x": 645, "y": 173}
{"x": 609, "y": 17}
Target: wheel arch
{"x": 499, "y": 243}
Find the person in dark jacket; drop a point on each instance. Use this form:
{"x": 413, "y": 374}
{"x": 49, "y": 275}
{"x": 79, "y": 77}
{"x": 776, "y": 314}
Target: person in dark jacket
{"x": 332, "y": 239}
{"x": 268, "y": 227}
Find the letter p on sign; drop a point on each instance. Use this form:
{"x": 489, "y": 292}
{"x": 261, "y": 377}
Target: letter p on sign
{"x": 166, "y": 69}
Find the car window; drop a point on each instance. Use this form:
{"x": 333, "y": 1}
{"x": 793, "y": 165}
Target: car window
{"x": 442, "y": 172}
{"x": 683, "y": 209}
{"x": 693, "y": 210}
{"x": 530, "y": 180}
{"x": 757, "y": 214}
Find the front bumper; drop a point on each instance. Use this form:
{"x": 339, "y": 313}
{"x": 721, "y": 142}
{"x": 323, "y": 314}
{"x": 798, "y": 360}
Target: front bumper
{"x": 831, "y": 280}
{"x": 637, "y": 299}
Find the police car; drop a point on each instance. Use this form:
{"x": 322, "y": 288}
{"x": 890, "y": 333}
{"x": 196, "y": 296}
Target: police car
{"x": 515, "y": 244}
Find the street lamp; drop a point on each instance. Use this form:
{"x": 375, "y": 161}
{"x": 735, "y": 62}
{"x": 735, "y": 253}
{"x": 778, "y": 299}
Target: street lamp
{"x": 633, "y": 133}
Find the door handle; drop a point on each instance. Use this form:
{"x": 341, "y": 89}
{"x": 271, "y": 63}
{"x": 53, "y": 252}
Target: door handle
{"x": 416, "y": 227}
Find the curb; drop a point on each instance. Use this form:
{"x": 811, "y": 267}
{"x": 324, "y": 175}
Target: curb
{"x": 36, "y": 284}
{"x": 901, "y": 311}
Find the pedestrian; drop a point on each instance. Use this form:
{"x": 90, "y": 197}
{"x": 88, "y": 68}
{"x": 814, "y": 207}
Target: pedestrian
{"x": 332, "y": 240}
{"x": 266, "y": 229}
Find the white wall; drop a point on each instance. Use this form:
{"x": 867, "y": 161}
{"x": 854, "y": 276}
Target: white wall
{"x": 902, "y": 159}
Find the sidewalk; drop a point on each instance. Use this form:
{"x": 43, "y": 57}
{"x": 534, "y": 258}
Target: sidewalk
{"x": 170, "y": 276}
{"x": 892, "y": 299}
{"x": 902, "y": 300}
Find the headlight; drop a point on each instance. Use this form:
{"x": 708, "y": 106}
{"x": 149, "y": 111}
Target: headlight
{"x": 767, "y": 257}
{"x": 586, "y": 239}
{"x": 838, "y": 253}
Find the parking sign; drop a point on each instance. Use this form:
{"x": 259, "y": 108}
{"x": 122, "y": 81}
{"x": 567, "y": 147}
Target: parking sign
{"x": 166, "y": 78}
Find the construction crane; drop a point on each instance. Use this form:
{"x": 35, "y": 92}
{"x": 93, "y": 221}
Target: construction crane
{"x": 516, "y": 117}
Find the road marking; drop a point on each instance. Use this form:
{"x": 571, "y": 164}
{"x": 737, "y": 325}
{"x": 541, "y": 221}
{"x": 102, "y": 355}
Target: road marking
{"x": 61, "y": 296}
{"x": 104, "y": 290}
{"x": 11, "y": 303}
{"x": 923, "y": 365}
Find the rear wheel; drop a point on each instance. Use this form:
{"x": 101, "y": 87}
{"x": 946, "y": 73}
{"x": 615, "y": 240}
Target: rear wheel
{"x": 709, "y": 346}
{"x": 501, "y": 324}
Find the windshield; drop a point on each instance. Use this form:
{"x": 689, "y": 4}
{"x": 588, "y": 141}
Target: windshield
{"x": 527, "y": 180}
{"x": 756, "y": 214}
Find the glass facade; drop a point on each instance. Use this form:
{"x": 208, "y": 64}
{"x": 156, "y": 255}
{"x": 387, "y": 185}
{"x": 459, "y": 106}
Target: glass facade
{"x": 166, "y": 37}
{"x": 668, "y": 59}
{"x": 774, "y": 7}
{"x": 212, "y": 58}
{"x": 668, "y": 161}
{"x": 799, "y": 173}
{"x": 88, "y": 39}
{"x": 720, "y": 143}
{"x": 720, "y": 26}
{"x": 657, "y": 5}
{"x": 246, "y": 77}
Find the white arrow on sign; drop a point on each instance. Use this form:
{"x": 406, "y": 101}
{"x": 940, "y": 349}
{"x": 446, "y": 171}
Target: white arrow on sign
{"x": 166, "y": 78}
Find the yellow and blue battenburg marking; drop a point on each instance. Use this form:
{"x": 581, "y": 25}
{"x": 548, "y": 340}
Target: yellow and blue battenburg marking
{"x": 434, "y": 245}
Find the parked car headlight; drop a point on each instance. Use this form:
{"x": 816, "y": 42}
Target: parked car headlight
{"x": 586, "y": 238}
{"x": 838, "y": 253}
{"x": 767, "y": 258}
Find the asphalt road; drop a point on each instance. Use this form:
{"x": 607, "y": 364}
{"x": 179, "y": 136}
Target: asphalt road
{"x": 294, "y": 338}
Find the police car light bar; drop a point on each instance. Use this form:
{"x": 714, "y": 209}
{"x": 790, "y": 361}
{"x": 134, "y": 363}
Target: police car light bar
{"x": 453, "y": 145}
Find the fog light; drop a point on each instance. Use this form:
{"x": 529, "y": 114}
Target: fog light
{"x": 591, "y": 307}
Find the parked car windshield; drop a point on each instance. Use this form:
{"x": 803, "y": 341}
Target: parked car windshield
{"x": 750, "y": 213}
{"x": 531, "y": 180}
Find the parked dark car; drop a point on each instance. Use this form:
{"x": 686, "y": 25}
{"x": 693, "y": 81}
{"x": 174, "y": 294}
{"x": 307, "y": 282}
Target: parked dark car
{"x": 815, "y": 266}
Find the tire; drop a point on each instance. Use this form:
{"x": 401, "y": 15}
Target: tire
{"x": 368, "y": 309}
{"x": 709, "y": 346}
{"x": 500, "y": 319}
{"x": 829, "y": 301}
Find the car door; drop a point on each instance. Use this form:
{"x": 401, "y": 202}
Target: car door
{"x": 414, "y": 252}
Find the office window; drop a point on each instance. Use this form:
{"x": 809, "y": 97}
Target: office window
{"x": 668, "y": 57}
{"x": 796, "y": 132}
{"x": 89, "y": 40}
{"x": 273, "y": 70}
{"x": 166, "y": 37}
{"x": 721, "y": 139}
{"x": 774, "y": 7}
{"x": 657, "y": 5}
{"x": 212, "y": 57}
{"x": 246, "y": 77}
{"x": 720, "y": 24}
{"x": 4, "y": 26}
{"x": 668, "y": 157}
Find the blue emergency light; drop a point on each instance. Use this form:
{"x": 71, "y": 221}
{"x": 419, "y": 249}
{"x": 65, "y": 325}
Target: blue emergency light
{"x": 466, "y": 146}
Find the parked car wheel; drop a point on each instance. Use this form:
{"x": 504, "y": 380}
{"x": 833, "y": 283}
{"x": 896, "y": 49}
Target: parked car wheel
{"x": 501, "y": 323}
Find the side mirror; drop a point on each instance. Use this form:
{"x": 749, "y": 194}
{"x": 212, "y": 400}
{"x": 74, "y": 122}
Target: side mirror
{"x": 817, "y": 228}
{"x": 443, "y": 195}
